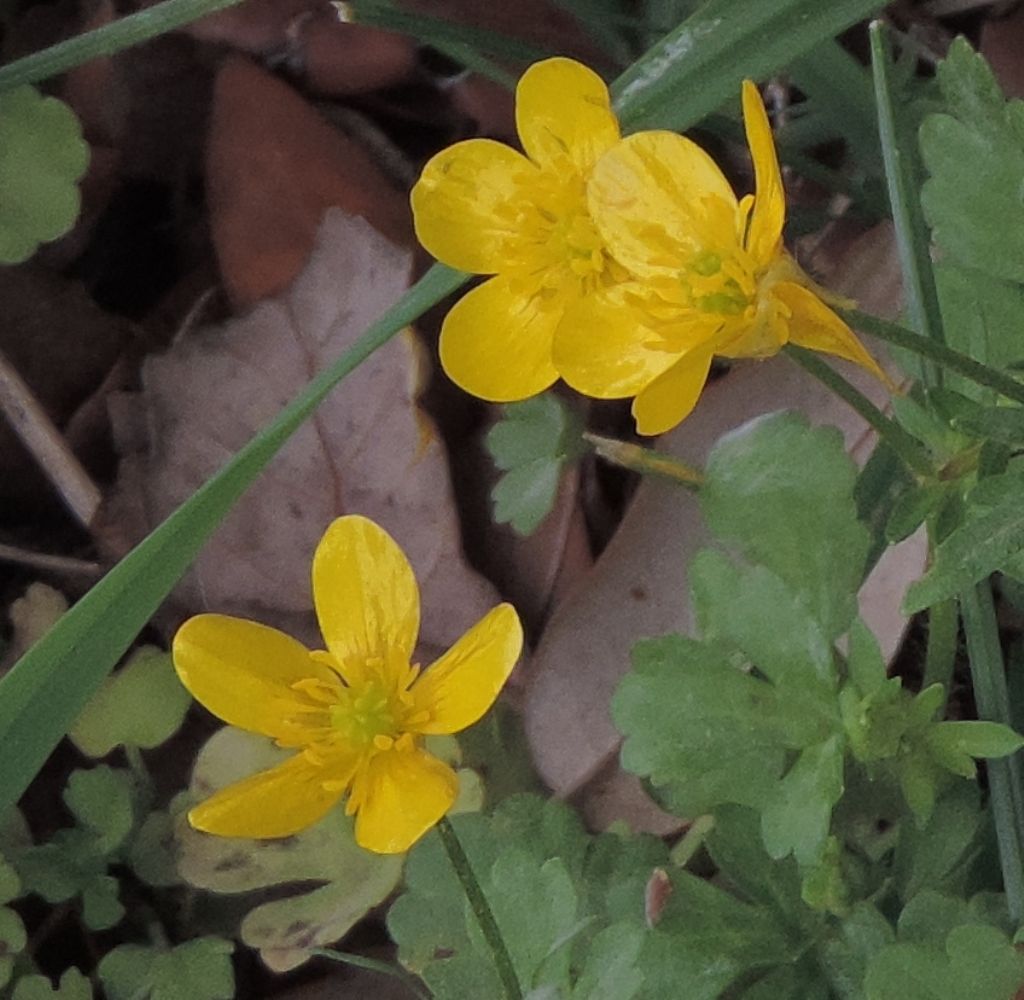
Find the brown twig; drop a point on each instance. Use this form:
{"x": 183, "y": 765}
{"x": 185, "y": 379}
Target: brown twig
{"x": 41, "y": 437}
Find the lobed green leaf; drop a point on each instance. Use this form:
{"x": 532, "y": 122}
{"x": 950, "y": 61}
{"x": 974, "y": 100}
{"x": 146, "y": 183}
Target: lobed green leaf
{"x": 42, "y": 157}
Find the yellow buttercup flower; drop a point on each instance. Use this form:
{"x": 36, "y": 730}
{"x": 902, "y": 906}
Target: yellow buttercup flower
{"x": 357, "y": 712}
{"x": 709, "y": 275}
{"x": 483, "y": 207}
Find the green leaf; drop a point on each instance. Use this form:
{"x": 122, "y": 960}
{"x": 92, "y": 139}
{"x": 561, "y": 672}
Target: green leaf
{"x": 101, "y": 800}
{"x": 977, "y": 962}
{"x": 706, "y": 940}
{"x": 72, "y": 865}
{"x": 912, "y": 509}
{"x": 783, "y": 492}
{"x": 101, "y": 903}
{"x": 754, "y": 610}
{"x": 865, "y": 662}
{"x": 568, "y": 905}
{"x": 153, "y": 851}
{"x": 703, "y": 731}
{"x": 991, "y": 536}
{"x": 524, "y": 496}
{"x": 981, "y": 318}
{"x": 846, "y": 953}
{"x": 955, "y": 744}
{"x": 611, "y": 970}
{"x": 73, "y": 986}
{"x": 335, "y": 882}
{"x": 531, "y": 444}
{"x": 798, "y": 817}
{"x": 196, "y": 970}
{"x": 142, "y": 705}
{"x": 42, "y": 157}
{"x": 12, "y": 941}
{"x": 696, "y": 68}
{"x": 736, "y": 847}
{"x": 936, "y": 856}
{"x": 10, "y": 884}
{"x": 975, "y": 157}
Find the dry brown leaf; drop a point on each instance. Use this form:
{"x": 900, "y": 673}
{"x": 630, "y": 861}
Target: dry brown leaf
{"x": 638, "y": 587}
{"x": 367, "y": 450}
{"x": 273, "y": 167}
{"x": 1001, "y": 41}
{"x": 343, "y": 59}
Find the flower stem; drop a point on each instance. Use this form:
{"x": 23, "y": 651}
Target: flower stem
{"x": 954, "y": 361}
{"x": 481, "y": 909}
{"x": 105, "y": 41}
{"x": 1004, "y": 773}
{"x": 940, "y": 654}
{"x": 902, "y": 444}
{"x": 646, "y": 461}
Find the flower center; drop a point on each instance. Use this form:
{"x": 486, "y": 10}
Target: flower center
{"x": 364, "y": 713}
{"x": 559, "y": 246}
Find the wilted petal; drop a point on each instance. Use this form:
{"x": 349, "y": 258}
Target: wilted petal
{"x": 661, "y": 204}
{"x": 457, "y": 689}
{"x": 671, "y": 397}
{"x": 465, "y": 204}
{"x": 366, "y": 597}
{"x": 403, "y": 793}
{"x": 563, "y": 111}
{"x": 245, "y": 673}
{"x": 496, "y": 342}
{"x": 274, "y": 803}
{"x": 769, "y": 212}
{"x": 813, "y": 325}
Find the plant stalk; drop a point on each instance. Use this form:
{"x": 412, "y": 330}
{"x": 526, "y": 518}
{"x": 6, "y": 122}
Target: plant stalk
{"x": 906, "y": 447}
{"x": 481, "y": 909}
{"x": 1004, "y": 774}
{"x": 954, "y": 361}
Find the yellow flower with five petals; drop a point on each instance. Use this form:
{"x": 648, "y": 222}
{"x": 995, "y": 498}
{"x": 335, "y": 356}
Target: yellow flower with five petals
{"x": 356, "y": 713}
{"x": 481, "y": 206}
{"x": 708, "y": 276}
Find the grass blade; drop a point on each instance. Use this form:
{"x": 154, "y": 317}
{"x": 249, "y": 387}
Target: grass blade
{"x": 105, "y": 41}
{"x": 698, "y": 67}
{"x": 899, "y": 155}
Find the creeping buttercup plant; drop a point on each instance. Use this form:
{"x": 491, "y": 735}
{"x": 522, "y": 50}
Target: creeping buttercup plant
{"x": 850, "y": 832}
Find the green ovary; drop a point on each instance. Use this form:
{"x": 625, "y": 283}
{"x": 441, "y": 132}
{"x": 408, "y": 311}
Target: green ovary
{"x": 365, "y": 714}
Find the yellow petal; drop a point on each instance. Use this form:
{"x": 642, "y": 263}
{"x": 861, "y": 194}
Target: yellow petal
{"x": 405, "y": 792}
{"x": 496, "y": 342}
{"x": 563, "y": 110}
{"x": 366, "y": 597}
{"x": 603, "y": 347}
{"x": 770, "y": 199}
{"x": 274, "y": 803}
{"x": 670, "y": 398}
{"x": 813, "y": 325}
{"x": 659, "y": 200}
{"x": 465, "y": 204}
{"x": 457, "y": 689}
{"x": 243, "y": 673}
